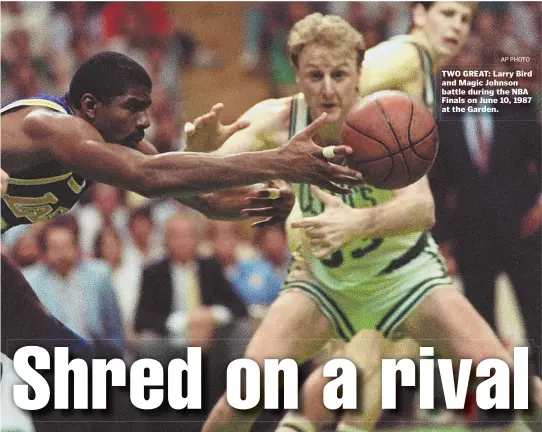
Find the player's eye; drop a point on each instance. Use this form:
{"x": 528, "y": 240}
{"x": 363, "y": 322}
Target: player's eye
{"x": 136, "y": 106}
{"x": 338, "y": 75}
{"x": 316, "y": 76}
{"x": 448, "y": 13}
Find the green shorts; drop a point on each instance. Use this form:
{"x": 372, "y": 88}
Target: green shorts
{"x": 381, "y": 304}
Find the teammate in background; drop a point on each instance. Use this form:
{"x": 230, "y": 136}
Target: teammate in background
{"x": 53, "y": 146}
{"x": 365, "y": 261}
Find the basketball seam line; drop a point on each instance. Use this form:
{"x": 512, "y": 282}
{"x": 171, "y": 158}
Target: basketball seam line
{"x": 388, "y": 121}
{"x": 412, "y": 145}
{"x": 374, "y": 139}
{"x": 389, "y": 156}
{"x": 424, "y": 137}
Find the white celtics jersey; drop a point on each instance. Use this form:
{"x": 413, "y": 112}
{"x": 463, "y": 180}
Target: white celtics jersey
{"x": 360, "y": 261}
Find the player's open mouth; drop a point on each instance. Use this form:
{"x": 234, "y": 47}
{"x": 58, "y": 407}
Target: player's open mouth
{"x": 451, "y": 41}
{"x": 328, "y": 106}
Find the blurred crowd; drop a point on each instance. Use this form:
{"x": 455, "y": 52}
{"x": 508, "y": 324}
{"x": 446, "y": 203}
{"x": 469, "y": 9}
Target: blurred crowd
{"x": 499, "y": 29}
{"x": 43, "y": 43}
{"x": 157, "y": 276}
{"x": 146, "y": 279}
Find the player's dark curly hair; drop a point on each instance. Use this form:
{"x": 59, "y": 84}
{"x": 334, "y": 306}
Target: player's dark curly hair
{"x": 105, "y": 76}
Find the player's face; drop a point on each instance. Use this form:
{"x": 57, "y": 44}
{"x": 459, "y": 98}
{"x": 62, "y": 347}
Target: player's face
{"x": 124, "y": 120}
{"x": 329, "y": 79}
{"x": 447, "y": 27}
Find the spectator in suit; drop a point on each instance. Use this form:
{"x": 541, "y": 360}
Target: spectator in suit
{"x": 253, "y": 279}
{"x": 487, "y": 191}
{"x": 183, "y": 295}
{"x": 78, "y": 292}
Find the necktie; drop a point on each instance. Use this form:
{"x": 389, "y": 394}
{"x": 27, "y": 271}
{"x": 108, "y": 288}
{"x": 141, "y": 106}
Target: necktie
{"x": 193, "y": 297}
{"x": 482, "y": 141}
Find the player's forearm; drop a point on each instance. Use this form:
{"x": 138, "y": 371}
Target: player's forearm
{"x": 404, "y": 214}
{"x": 223, "y": 205}
{"x": 181, "y": 175}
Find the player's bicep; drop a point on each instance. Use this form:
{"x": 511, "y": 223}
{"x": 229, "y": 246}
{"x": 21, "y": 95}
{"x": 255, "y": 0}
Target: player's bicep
{"x": 77, "y": 145}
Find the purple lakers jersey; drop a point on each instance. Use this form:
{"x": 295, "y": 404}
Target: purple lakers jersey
{"x": 43, "y": 191}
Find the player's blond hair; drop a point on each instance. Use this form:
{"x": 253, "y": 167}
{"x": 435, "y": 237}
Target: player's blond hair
{"x": 329, "y": 30}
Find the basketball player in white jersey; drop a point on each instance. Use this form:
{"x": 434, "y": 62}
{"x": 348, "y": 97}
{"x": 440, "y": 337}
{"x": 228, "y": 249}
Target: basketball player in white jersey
{"x": 365, "y": 262}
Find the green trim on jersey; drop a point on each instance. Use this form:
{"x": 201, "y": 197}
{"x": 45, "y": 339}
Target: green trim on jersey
{"x": 427, "y": 65}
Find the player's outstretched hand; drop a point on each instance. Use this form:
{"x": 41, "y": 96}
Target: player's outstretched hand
{"x": 207, "y": 133}
{"x": 4, "y": 178}
{"x": 337, "y": 225}
{"x": 309, "y": 163}
{"x": 273, "y": 202}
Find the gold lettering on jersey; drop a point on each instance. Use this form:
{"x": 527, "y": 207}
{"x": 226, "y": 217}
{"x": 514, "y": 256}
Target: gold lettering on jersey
{"x": 74, "y": 186}
{"x": 34, "y": 209}
{"x": 57, "y": 212}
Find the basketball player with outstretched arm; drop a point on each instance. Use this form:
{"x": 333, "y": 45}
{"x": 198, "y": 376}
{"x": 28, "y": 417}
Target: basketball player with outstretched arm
{"x": 365, "y": 261}
{"x": 52, "y": 147}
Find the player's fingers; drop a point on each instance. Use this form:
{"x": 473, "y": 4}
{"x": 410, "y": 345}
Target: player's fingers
{"x": 261, "y": 202}
{"x": 339, "y": 171}
{"x": 323, "y": 196}
{"x": 189, "y": 128}
{"x": 322, "y": 253}
{"x": 204, "y": 119}
{"x": 260, "y": 211}
{"x": 332, "y": 187}
{"x": 272, "y": 220}
{"x": 332, "y": 154}
{"x": 347, "y": 180}
{"x": 217, "y": 108}
{"x": 269, "y": 193}
{"x": 237, "y": 126}
{"x": 342, "y": 150}
{"x": 304, "y": 223}
{"x": 317, "y": 238}
{"x": 313, "y": 127}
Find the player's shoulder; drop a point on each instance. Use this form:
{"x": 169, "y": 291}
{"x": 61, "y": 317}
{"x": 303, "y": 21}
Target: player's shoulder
{"x": 393, "y": 64}
{"x": 39, "y": 122}
{"x": 396, "y": 52}
{"x": 272, "y": 107}
{"x": 271, "y": 115}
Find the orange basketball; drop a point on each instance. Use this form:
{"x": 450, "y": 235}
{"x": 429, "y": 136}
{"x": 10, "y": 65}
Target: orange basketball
{"x": 394, "y": 137}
